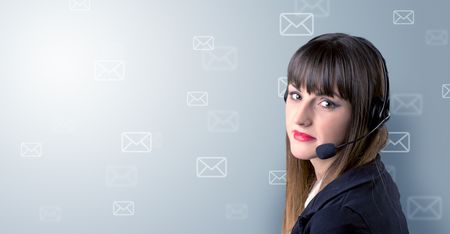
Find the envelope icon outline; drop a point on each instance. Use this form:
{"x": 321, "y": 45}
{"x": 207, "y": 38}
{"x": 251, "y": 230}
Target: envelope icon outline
{"x": 282, "y": 86}
{"x": 30, "y": 149}
{"x": 50, "y": 213}
{"x": 320, "y": 8}
{"x": 296, "y": 24}
{"x": 123, "y": 208}
{"x": 222, "y": 58}
{"x": 398, "y": 142}
{"x": 223, "y": 121}
{"x": 80, "y": 5}
{"x": 109, "y": 70}
{"x": 203, "y": 43}
{"x": 197, "y": 98}
{"x": 436, "y": 37}
{"x": 424, "y": 207}
{"x": 401, "y": 17}
{"x": 211, "y": 167}
{"x": 136, "y": 142}
{"x": 121, "y": 176}
{"x": 407, "y": 104}
{"x": 277, "y": 177}
{"x": 236, "y": 211}
{"x": 445, "y": 90}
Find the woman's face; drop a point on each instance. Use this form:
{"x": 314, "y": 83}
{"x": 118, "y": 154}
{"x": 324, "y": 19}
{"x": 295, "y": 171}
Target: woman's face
{"x": 324, "y": 118}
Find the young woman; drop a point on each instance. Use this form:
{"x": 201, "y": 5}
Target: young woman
{"x": 337, "y": 102}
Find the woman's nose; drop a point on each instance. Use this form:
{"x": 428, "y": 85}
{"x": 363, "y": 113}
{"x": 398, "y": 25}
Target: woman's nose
{"x": 303, "y": 115}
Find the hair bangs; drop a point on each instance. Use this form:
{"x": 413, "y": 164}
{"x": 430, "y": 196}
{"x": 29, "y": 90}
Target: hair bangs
{"x": 320, "y": 71}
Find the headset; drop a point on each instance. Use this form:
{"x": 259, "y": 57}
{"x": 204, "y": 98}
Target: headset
{"x": 379, "y": 113}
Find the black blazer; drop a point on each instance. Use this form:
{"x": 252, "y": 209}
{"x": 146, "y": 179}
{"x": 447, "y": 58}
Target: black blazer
{"x": 363, "y": 200}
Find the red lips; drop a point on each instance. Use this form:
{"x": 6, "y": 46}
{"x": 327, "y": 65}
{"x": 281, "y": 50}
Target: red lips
{"x": 301, "y": 136}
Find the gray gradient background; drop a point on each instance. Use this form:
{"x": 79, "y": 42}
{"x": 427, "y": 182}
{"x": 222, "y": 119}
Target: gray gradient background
{"x": 48, "y": 94}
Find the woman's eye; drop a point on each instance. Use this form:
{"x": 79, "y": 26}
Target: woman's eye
{"x": 328, "y": 104}
{"x": 294, "y": 95}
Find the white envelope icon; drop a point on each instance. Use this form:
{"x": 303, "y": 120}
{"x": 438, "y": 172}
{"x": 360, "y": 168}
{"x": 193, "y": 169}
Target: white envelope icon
{"x": 203, "y": 43}
{"x": 210, "y": 167}
{"x": 224, "y": 58}
{"x": 30, "y": 149}
{"x": 407, "y": 104}
{"x": 121, "y": 176}
{"x": 296, "y": 24}
{"x": 446, "y": 91}
{"x": 109, "y": 70}
{"x": 123, "y": 208}
{"x": 436, "y": 37}
{"x": 320, "y": 8}
{"x": 80, "y": 5}
{"x": 197, "y": 98}
{"x": 223, "y": 121}
{"x": 50, "y": 213}
{"x": 277, "y": 177}
{"x": 398, "y": 142}
{"x": 403, "y": 17}
{"x": 391, "y": 170}
{"x": 282, "y": 86}
{"x": 236, "y": 211}
{"x": 136, "y": 142}
{"x": 424, "y": 207}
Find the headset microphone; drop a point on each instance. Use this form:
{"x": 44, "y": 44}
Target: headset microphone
{"x": 328, "y": 150}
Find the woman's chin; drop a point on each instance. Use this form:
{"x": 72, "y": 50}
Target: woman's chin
{"x": 303, "y": 155}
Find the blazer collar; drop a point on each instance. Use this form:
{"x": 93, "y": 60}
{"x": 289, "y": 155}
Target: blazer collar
{"x": 346, "y": 181}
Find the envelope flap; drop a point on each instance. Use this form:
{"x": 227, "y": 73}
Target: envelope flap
{"x": 237, "y": 208}
{"x": 313, "y": 3}
{"x": 397, "y": 138}
{"x": 425, "y": 204}
{"x": 437, "y": 34}
{"x": 119, "y": 172}
{"x": 204, "y": 40}
{"x": 225, "y": 116}
{"x": 123, "y": 205}
{"x": 212, "y": 163}
{"x": 297, "y": 20}
{"x": 197, "y": 95}
{"x": 407, "y": 99}
{"x": 222, "y": 53}
{"x": 136, "y": 138}
{"x": 31, "y": 147}
{"x": 109, "y": 66}
{"x": 278, "y": 174}
{"x": 282, "y": 80}
{"x": 403, "y": 14}
{"x": 80, "y": 2}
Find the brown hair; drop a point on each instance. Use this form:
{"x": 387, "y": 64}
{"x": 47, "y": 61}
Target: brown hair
{"x": 356, "y": 68}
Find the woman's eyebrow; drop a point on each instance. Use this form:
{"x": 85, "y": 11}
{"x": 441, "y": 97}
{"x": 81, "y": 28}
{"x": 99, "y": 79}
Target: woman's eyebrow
{"x": 335, "y": 94}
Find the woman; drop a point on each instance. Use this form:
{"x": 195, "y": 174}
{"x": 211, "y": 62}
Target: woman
{"x": 338, "y": 95}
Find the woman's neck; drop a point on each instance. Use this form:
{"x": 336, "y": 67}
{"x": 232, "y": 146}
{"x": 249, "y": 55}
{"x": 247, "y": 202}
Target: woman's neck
{"x": 321, "y": 166}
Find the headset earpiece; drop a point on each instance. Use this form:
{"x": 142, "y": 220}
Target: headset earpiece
{"x": 286, "y": 95}
{"x": 380, "y": 106}
{"x": 376, "y": 115}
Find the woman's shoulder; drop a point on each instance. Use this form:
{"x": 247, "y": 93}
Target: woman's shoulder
{"x": 370, "y": 207}
{"x": 378, "y": 204}
{"x": 337, "y": 219}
